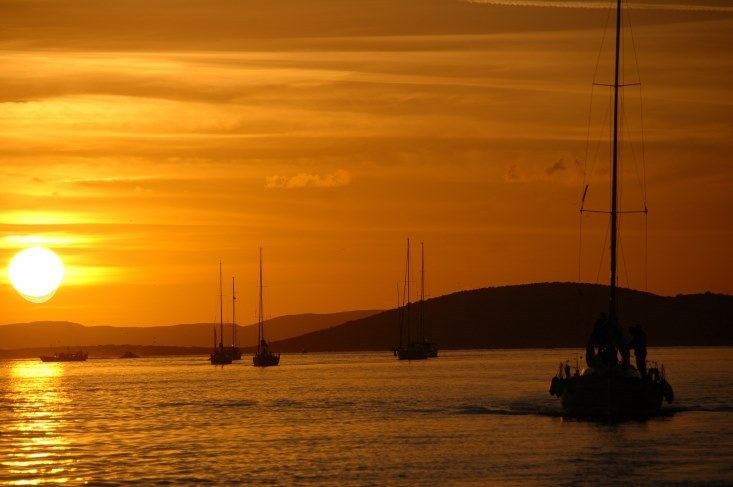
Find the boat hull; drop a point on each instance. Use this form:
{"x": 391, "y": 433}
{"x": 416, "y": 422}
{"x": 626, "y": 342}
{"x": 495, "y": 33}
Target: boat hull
{"x": 219, "y": 358}
{"x": 611, "y": 394}
{"x": 266, "y": 360}
{"x": 234, "y": 352}
{"x": 66, "y": 357}
{"x": 413, "y": 353}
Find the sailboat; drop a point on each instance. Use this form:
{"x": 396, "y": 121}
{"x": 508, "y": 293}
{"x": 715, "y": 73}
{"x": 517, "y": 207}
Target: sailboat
{"x": 409, "y": 350}
{"x": 219, "y": 356}
{"x": 432, "y": 347}
{"x": 263, "y": 357}
{"x": 234, "y": 351}
{"x": 607, "y": 387}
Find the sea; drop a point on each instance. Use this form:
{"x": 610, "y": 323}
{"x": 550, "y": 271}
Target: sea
{"x": 465, "y": 418}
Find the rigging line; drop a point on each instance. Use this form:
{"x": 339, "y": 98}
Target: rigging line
{"x": 603, "y": 41}
{"x": 603, "y": 252}
{"x": 587, "y": 142}
{"x": 586, "y": 175}
{"x": 646, "y": 252}
{"x": 597, "y": 147}
{"x": 641, "y": 105}
{"x": 623, "y": 258}
{"x": 639, "y": 179}
{"x": 580, "y": 248}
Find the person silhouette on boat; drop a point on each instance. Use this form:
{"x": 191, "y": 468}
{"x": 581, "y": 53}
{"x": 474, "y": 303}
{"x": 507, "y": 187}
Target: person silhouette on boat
{"x": 616, "y": 338}
{"x": 638, "y": 345}
{"x": 265, "y": 346}
{"x": 597, "y": 346}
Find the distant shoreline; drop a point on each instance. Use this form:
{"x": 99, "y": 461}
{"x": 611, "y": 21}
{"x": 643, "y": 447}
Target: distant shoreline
{"x": 105, "y": 352}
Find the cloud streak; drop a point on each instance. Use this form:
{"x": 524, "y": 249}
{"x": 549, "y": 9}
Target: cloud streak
{"x": 336, "y": 179}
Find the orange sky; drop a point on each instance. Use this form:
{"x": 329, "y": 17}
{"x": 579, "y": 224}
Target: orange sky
{"x": 144, "y": 141}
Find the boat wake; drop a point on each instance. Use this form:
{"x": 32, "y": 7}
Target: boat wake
{"x": 516, "y": 410}
{"x": 207, "y": 403}
{"x": 698, "y": 409}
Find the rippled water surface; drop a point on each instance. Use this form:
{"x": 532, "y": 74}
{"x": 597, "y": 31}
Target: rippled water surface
{"x": 477, "y": 417}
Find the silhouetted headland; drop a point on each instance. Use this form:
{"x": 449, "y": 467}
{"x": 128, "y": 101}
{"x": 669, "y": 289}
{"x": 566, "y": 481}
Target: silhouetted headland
{"x": 547, "y": 315}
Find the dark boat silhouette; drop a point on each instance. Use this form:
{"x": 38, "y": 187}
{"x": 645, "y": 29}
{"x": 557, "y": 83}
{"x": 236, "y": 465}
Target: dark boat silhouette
{"x": 607, "y": 387}
{"x": 129, "y": 354}
{"x": 79, "y": 356}
{"x": 423, "y": 339}
{"x": 409, "y": 349}
{"x": 264, "y": 356}
{"x": 233, "y": 350}
{"x": 219, "y": 356}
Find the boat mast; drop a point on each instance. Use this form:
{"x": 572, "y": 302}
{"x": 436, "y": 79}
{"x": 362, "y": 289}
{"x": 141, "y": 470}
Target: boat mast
{"x": 400, "y": 313}
{"x": 261, "y": 321}
{"x": 221, "y": 311}
{"x": 234, "y": 316}
{"x": 407, "y": 279}
{"x": 422, "y": 291}
{"x": 614, "y": 179}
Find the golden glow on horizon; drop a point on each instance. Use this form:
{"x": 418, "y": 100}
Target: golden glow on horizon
{"x": 145, "y": 152}
{"x": 36, "y": 273}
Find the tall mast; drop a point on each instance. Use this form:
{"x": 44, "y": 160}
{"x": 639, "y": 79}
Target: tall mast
{"x": 261, "y": 324}
{"x": 407, "y": 277}
{"x": 614, "y": 179}
{"x": 221, "y": 311}
{"x": 234, "y": 316}
{"x": 422, "y": 291}
{"x": 400, "y": 313}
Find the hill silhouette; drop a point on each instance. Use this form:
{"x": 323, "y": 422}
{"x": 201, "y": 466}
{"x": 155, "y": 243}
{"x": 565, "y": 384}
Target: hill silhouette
{"x": 65, "y": 334}
{"x": 535, "y": 316}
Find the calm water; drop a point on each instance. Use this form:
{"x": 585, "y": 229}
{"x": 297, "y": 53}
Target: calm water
{"x": 470, "y": 417}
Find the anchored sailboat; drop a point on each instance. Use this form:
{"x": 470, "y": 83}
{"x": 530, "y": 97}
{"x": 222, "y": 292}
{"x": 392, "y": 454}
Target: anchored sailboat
{"x": 431, "y": 347}
{"x": 607, "y": 387}
{"x": 219, "y": 356}
{"x": 409, "y": 350}
{"x": 263, "y": 357}
{"x": 234, "y": 351}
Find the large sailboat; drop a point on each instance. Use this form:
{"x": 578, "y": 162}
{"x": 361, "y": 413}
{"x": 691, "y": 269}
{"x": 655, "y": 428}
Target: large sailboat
{"x": 409, "y": 349}
{"x": 263, "y": 357}
{"x": 608, "y": 387}
{"x": 219, "y": 356}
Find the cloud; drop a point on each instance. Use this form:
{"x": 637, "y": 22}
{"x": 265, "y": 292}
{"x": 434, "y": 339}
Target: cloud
{"x": 303, "y": 180}
{"x": 559, "y": 166}
{"x": 514, "y": 174}
{"x": 559, "y": 171}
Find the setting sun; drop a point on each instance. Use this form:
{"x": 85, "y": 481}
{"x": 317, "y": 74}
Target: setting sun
{"x": 36, "y": 273}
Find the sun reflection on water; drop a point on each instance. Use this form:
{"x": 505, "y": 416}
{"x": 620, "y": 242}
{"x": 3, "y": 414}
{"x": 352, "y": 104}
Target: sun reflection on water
{"x": 33, "y": 436}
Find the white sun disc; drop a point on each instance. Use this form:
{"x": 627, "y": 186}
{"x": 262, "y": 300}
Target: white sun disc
{"x": 36, "y": 273}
